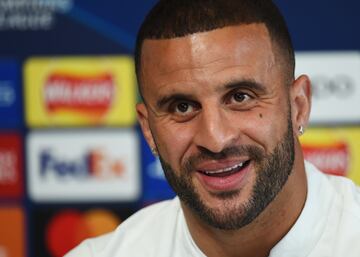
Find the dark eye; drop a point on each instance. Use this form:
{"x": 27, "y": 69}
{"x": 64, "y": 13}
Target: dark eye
{"x": 182, "y": 107}
{"x": 183, "y": 110}
{"x": 240, "y": 97}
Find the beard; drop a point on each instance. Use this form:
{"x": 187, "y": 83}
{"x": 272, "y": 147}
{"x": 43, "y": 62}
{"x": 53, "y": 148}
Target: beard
{"x": 272, "y": 172}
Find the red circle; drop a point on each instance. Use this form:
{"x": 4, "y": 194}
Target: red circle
{"x": 65, "y": 231}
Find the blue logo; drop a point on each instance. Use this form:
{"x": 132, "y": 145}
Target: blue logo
{"x": 156, "y": 188}
{"x": 50, "y": 163}
{"x": 10, "y": 98}
{"x": 91, "y": 163}
{"x": 7, "y": 94}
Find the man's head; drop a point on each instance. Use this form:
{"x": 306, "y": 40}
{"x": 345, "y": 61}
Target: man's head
{"x": 172, "y": 18}
{"x": 220, "y": 104}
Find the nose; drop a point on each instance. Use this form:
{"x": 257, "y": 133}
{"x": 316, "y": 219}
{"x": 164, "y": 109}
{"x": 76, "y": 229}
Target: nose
{"x": 216, "y": 130}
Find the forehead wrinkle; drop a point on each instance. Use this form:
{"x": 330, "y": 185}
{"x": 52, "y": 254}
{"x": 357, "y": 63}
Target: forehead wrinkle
{"x": 230, "y": 67}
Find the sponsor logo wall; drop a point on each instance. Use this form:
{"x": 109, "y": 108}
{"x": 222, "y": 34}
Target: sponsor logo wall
{"x": 96, "y": 159}
{"x": 81, "y": 148}
{"x": 73, "y": 162}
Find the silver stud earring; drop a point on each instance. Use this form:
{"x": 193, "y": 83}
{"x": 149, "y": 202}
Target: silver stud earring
{"x": 301, "y": 130}
{"x": 154, "y": 152}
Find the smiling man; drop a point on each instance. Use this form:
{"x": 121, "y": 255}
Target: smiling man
{"x": 223, "y": 111}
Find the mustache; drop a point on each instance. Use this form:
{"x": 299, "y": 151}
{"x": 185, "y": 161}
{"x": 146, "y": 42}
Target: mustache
{"x": 253, "y": 152}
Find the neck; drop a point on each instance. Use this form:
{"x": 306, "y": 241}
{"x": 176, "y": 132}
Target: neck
{"x": 261, "y": 235}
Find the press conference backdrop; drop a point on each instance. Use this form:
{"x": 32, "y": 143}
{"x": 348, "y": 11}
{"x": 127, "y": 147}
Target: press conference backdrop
{"x": 73, "y": 163}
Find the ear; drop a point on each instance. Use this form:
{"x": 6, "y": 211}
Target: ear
{"x": 142, "y": 113}
{"x": 300, "y": 97}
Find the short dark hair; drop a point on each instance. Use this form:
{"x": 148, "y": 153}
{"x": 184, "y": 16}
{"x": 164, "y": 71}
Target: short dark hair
{"x": 178, "y": 18}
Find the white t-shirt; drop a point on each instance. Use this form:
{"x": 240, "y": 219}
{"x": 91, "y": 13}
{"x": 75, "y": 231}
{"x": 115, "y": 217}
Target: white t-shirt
{"x": 328, "y": 226}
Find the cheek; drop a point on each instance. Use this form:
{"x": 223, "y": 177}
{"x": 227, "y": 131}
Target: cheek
{"x": 263, "y": 127}
{"x": 173, "y": 141}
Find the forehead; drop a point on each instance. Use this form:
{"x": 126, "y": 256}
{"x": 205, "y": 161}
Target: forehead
{"x": 244, "y": 48}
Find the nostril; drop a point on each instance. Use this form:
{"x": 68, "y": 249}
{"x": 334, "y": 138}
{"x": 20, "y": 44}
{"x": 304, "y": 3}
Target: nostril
{"x": 213, "y": 155}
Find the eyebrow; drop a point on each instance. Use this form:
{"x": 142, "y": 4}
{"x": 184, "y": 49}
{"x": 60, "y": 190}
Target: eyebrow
{"x": 247, "y": 83}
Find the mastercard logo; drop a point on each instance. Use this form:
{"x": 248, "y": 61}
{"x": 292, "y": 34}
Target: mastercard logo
{"x": 69, "y": 228}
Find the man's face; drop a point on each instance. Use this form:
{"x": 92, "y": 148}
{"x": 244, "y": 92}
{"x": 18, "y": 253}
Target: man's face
{"x": 217, "y": 111}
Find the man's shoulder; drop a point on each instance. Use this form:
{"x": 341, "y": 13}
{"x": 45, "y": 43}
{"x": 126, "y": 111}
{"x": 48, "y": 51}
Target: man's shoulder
{"x": 343, "y": 216}
{"x": 344, "y": 189}
{"x": 150, "y": 215}
{"x": 146, "y": 227}
{"x": 348, "y": 192}
{"x": 341, "y": 185}
{"x": 329, "y": 222}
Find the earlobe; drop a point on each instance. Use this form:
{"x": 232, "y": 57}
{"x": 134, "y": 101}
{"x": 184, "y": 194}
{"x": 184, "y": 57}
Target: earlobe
{"x": 300, "y": 96}
{"x": 143, "y": 119}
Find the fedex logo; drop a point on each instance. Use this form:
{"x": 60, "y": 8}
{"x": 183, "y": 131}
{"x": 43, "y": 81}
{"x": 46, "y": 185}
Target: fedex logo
{"x": 85, "y": 165}
{"x": 93, "y": 163}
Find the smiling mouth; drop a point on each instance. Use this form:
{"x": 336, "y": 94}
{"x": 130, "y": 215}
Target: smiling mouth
{"x": 226, "y": 171}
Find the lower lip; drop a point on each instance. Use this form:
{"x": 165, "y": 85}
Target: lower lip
{"x": 228, "y": 183}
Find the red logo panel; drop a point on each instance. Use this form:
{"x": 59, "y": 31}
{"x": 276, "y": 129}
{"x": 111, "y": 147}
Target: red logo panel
{"x": 84, "y": 94}
{"x": 11, "y": 175}
{"x": 332, "y": 159}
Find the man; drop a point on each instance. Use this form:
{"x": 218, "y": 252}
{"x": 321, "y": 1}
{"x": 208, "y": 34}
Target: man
{"x": 223, "y": 111}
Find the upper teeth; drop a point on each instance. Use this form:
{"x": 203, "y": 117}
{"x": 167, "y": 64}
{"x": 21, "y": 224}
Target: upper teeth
{"x": 236, "y": 166}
